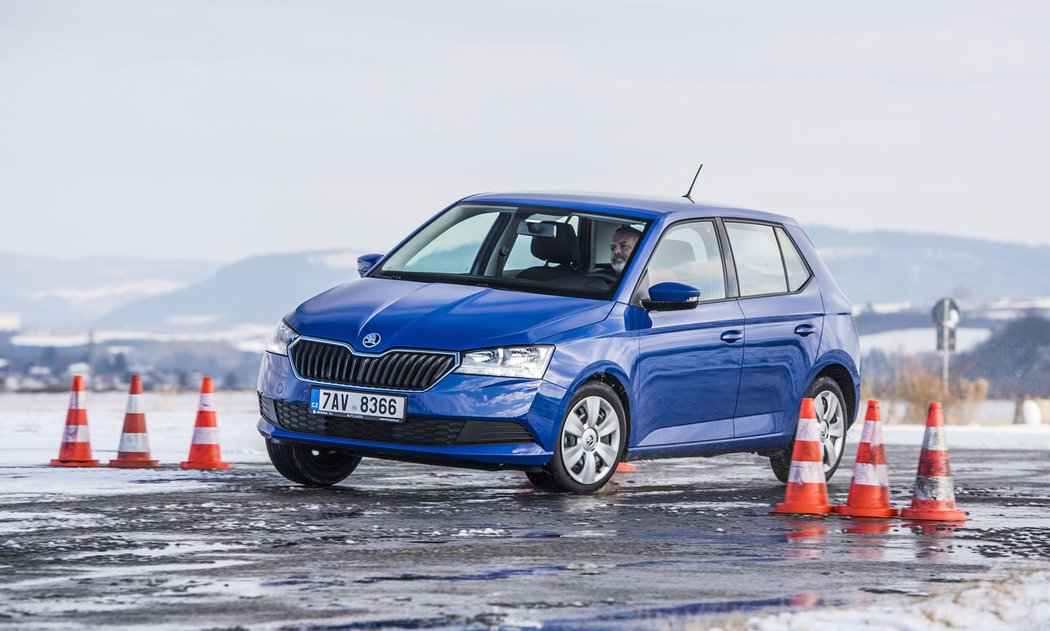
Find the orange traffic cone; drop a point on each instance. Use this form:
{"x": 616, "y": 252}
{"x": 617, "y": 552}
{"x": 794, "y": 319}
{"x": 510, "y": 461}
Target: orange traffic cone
{"x": 133, "y": 452}
{"x": 869, "y": 492}
{"x": 625, "y": 467}
{"x": 807, "y": 488}
{"x": 934, "y": 494}
{"x": 76, "y": 440}
{"x": 204, "y": 452}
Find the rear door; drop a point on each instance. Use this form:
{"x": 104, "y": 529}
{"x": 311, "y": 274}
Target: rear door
{"x": 783, "y": 321}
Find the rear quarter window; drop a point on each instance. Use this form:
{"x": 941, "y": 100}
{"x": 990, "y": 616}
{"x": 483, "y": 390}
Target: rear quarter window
{"x": 797, "y": 270}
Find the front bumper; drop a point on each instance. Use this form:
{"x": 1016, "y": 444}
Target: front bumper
{"x": 463, "y": 419}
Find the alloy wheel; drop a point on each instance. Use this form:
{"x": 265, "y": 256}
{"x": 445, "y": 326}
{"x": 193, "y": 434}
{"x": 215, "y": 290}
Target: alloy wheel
{"x": 831, "y": 419}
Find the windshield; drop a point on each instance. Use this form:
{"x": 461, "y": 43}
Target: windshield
{"x": 526, "y": 248}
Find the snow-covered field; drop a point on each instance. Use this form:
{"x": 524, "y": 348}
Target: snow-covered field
{"x": 1022, "y": 602}
{"x": 32, "y": 424}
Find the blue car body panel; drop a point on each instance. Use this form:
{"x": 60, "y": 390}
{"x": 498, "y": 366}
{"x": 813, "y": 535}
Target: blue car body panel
{"x": 687, "y": 390}
{"x": 409, "y": 314}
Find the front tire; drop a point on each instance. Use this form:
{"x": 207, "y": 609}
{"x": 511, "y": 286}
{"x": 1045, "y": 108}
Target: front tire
{"x": 830, "y": 405}
{"x": 590, "y": 443}
{"x": 311, "y": 466}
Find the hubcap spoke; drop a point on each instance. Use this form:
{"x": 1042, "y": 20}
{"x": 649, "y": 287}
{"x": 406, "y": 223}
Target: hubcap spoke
{"x": 607, "y": 452}
{"x": 571, "y": 455}
{"x": 610, "y": 427}
{"x": 831, "y": 406}
{"x": 589, "y": 472}
{"x": 573, "y": 425}
{"x": 593, "y": 408}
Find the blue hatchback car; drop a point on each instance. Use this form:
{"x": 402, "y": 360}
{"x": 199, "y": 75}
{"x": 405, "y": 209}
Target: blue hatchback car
{"x": 561, "y": 334}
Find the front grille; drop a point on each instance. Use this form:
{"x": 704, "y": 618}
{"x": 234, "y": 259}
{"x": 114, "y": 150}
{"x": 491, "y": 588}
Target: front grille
{"x": 413, "y": 431}
{"x": 396, "y": 370}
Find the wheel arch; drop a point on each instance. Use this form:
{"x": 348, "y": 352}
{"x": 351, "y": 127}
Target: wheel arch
{"x": 620, "y": 389}
{"x": 841, "y": 375}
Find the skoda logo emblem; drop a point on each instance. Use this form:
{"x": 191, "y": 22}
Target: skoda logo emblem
{"x": 371, "y": 340}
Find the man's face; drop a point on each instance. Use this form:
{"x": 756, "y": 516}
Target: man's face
{"x": 621, "y": 247}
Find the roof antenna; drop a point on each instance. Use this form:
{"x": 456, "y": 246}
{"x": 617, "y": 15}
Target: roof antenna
{"x": 690, "y": 191}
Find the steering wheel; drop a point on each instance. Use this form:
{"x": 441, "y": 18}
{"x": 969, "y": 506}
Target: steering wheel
{"x": 607, "y": 275}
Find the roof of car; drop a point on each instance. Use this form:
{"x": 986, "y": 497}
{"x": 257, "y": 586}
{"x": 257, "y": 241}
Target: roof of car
{"x": 648, "y": 207}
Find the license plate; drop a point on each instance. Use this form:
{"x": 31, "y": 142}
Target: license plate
{"x": 361, "y": 405}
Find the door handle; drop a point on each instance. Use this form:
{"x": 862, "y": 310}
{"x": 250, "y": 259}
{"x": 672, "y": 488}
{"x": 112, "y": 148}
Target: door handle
{"x": 805, "y": 329}
{"x": 732, "y": 335}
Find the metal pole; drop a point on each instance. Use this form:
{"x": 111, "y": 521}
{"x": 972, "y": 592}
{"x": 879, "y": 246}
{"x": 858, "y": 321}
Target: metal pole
{"x": 945, "y": 373}
{"x": 947, "y": 347}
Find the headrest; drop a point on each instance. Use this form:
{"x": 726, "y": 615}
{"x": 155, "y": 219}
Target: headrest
{"x": 561, "y": 249}
{"x": 671, "y": 253}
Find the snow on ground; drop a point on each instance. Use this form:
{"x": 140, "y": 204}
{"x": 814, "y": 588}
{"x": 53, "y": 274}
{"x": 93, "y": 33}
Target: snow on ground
{"x": 31, "y": 426}
{"x": 920, "y": 340}
{"x": 1034, "y": 438}
{"x": 1020, "y": 603}
{"x": 246, "y": 337}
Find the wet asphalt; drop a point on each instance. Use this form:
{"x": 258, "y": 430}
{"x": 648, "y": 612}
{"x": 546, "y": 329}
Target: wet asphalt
{"x": 680, "y": 544}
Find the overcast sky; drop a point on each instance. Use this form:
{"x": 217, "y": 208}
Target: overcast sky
{"x": 224, "y": 129}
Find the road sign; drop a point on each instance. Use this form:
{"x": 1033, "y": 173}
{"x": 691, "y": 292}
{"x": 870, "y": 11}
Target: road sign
{"x": 945, "y": 339}
{"x": 946, "y": 313}
{"x": 946, "y": 316}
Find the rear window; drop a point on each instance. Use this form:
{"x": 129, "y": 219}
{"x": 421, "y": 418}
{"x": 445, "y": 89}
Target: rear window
{"x": 759, "y": 266}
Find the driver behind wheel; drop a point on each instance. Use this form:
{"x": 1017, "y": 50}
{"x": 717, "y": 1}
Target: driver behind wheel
{"x": 621, "y": 246}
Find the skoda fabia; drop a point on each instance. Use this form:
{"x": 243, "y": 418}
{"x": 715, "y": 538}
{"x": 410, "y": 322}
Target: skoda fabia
{"x": 560, "y": 335}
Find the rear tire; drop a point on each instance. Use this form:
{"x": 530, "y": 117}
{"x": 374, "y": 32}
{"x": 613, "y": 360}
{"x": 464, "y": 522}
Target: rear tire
{"x": 833, "y": 422}
{"x": 311, "y": 466}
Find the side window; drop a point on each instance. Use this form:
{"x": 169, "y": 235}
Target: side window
{"x": 759, "y": 267}
{"x": 689, "y": 253}
{"x": 797, "y": 271}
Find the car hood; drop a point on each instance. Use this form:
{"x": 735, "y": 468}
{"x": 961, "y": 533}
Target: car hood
{"x": 409, "y": 314}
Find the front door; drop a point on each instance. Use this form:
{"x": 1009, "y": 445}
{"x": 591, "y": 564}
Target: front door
{"x": 688, "y": 369}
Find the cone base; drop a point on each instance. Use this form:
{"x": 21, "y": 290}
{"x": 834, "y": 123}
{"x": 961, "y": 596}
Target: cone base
{"x": 75, "y": 463}
{"x": 787, "y": 508}
{"x": 204, "y": 465}
{"x": 625, "y": 467}
{"x": 134, "y": 464}
{"x": 919, "y": 514}
{"x": 864, "y": 511}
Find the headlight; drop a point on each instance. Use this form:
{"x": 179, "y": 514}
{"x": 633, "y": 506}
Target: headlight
{"x": 529, "y": 362}
{"x": 282, "y": 337}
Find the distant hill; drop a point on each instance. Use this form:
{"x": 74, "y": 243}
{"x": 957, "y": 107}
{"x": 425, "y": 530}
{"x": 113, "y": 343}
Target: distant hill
{"x": 68, "y": 294}
{"x": 191, "y": 296}
{"x": 877, "y": 267}
{"x": 257, "y": 290}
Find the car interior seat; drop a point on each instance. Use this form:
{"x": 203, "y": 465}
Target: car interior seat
{"x": 561, "y": 253}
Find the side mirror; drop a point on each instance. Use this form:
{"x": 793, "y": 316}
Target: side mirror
{"x": 671, "y": 297}
{"x": 366, "y": 262}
